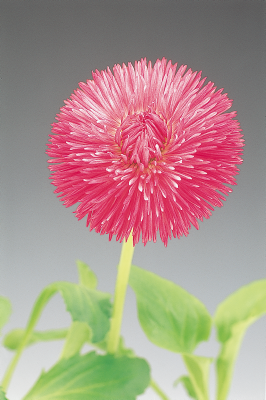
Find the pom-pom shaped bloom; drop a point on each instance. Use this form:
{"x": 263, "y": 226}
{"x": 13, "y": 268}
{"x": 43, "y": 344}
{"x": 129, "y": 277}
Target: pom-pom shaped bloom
{"x": 145, "y": 149}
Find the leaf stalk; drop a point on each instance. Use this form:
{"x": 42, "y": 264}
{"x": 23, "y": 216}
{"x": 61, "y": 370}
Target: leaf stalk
{"x": 158, "y": 390}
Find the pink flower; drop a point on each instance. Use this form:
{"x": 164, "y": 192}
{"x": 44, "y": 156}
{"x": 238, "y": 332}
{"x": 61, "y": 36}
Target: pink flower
{"x": 145, "y": 149}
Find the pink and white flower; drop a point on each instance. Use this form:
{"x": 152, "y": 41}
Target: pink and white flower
{"x": 145, "y": 149}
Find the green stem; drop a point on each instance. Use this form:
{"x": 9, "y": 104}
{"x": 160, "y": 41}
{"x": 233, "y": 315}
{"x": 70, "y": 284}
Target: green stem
{"x": 36, "y": 312}
{"x": 158, "y": 390}
{"x": 120, "y": 294}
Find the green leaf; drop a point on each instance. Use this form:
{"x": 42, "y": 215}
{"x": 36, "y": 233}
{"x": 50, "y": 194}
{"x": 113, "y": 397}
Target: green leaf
{"x": 78, "y": 334}
{"x": 5, "y": 311}
{"x": 93, "y": 377}
{"x": 170, "y": 316}
{"x": 13, "y": 338}
{"x": 245, "y": 305}
{"x": 87, "y": 277}
{"x": 84, "y": 305}
{"x": 2, "y": 394}
{"x": 198, "y": 369}
{"x": 185, "y": 380}
{"x": 87, "y": 305}
{"x": 233, "y": 316}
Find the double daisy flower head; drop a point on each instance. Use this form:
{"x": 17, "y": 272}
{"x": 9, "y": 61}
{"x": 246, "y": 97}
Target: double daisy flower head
{"x": 145, "y": 149}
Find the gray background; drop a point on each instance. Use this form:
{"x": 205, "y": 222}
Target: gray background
{"x": 47, "y": 48}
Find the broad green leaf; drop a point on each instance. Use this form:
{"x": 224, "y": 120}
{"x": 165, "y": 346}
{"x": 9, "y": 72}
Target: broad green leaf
{"x": 93, "y": 377}
{"x": 198, "y": 369}
{"x": 87, "y": 277}
{"x": 185, "y": 380}
{"x": 170, "y": 316}
{"x": 78, "y": 334}
{"x": 84, "y": 305}
{"x": 87, "y": 305}
{"x": 13, "y": 338}
{"x": 2, "y": 394}
{"x": 5, "y": 311}
{"x": 246, "y": 304}
{"x": 233, "y": 316}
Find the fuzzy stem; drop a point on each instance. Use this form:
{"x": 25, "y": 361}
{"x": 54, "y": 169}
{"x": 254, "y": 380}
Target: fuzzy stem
{"x": 158, "y": 390}
{"x": 120, "y": 293}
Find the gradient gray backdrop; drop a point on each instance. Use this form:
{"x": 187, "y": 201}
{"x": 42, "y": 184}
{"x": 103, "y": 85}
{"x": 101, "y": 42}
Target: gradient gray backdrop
{"x": 47, "y": 48}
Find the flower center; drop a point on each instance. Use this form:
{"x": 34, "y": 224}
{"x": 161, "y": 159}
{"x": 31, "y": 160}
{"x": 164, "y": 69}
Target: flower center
{"x": 142, "y": 138}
